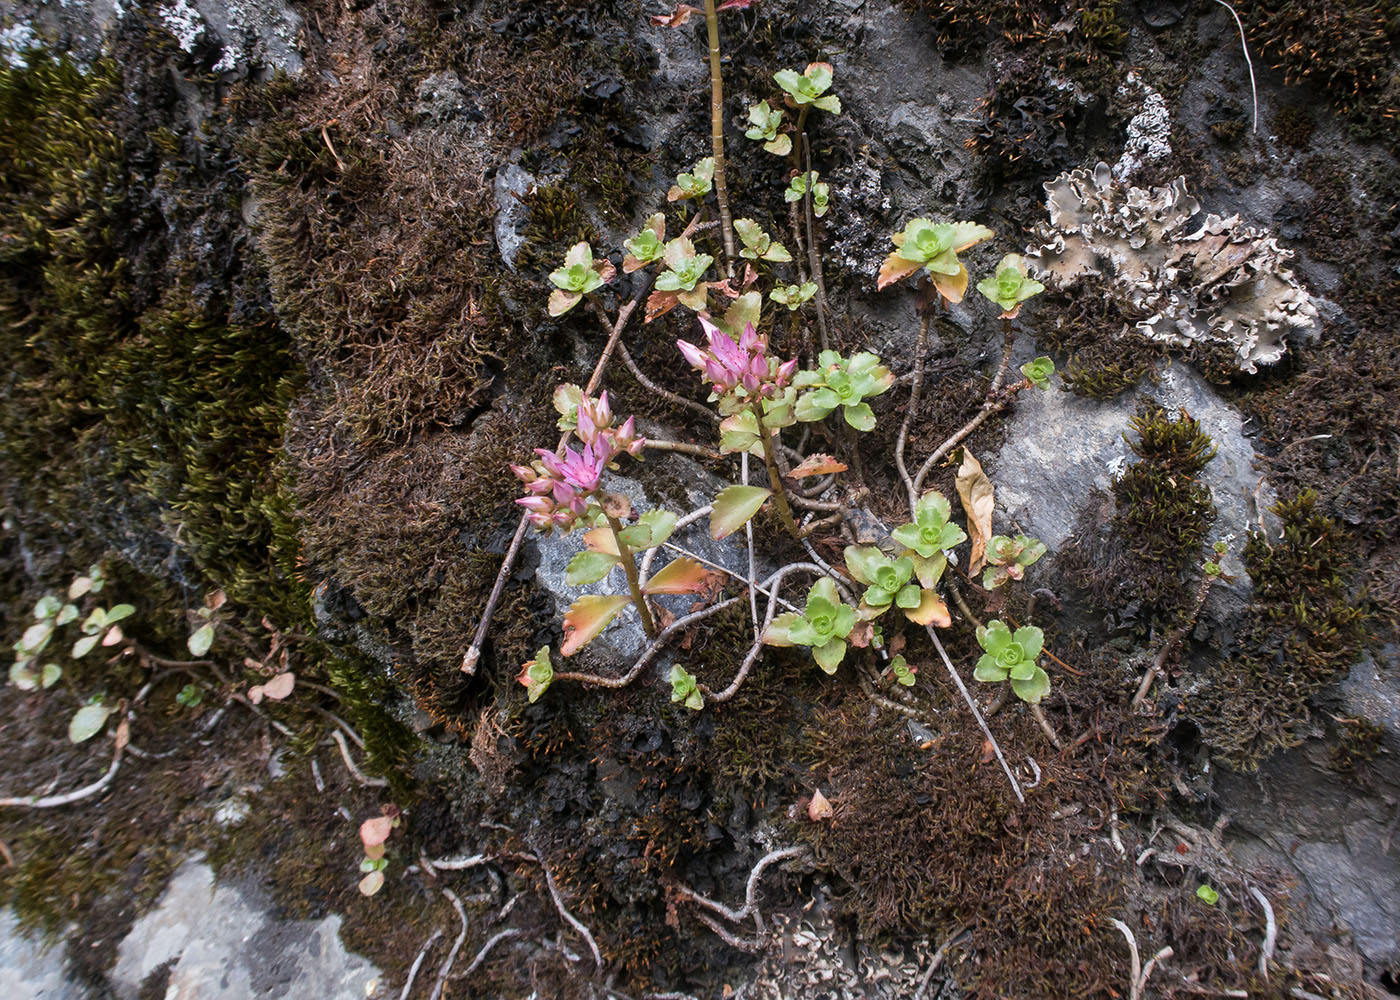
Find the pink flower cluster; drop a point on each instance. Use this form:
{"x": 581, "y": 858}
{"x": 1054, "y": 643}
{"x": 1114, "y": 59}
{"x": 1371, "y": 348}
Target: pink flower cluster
{"x": 729, "y": 365}
{"x": 559, "y": 486}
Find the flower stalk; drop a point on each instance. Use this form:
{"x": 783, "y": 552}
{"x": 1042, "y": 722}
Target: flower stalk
{"x": 775, "y": 478}
{"x": 726, "y": 223}
{"x": 629, "y": 567}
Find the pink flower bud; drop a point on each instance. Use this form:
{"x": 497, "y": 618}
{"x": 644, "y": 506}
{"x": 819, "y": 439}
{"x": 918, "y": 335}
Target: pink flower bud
{"x": 541, "y": 505}
{"x": 524, "y": 473}
{"x": 693, "y": 354}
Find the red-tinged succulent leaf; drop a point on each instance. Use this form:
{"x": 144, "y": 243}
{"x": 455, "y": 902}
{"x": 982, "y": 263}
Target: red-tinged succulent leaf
{"x": 619, "y": 505}
{"x": 371, "y": 883}
{"x": 280, "y": 686}
{"x": 697, "y": 298}
{"x": 975, "y": 491}
{"x": 735, "y": 5}
{"x": 819, "y": 808}
{"x": 779, "y": 630}
{"x": 931, "y": 610}
{"x": 255, "y": 694}
{"x": 861, "y": 634}
{"x": 816, "y": 465}
{"x": 605, "y": 269}
{"x": 601, "y": 540}
{"x": 113, "y": 636}
{"x": 684, "y": 12}
{"x": 659, "y": 304}
{"x": 723, "y": 288}
{"x": 680, "y": 576}
{"x": 630, "y": 264}
{"x": 895, "y": 268}
{"x": 733, "y": 507}
{"x": 588, "y": 616}
{"x": 951, "y": 286}
{"x": 216, "y": 600}
{"x": 376, "y": 831}
{"x": 561, "y": 301}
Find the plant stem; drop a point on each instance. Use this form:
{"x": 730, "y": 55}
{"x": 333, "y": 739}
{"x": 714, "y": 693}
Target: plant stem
{"x": 775, "y": 478}
{"x": 629, "y": 566}
{"x": 726, "y": 224}
{"x": 813, "y": 257}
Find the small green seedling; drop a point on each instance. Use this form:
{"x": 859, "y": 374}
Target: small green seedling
{"x": 373, "y": 833}
{"x": 580, "y": 276}
{"x": 758, "y": 245}
{"x": 793, "y": 296}
{"x": 902, "y": 672}
{"x": 821, "y": 192}
{"x": 1007, "y": 558}
{"x": 696, "y": 183}
{"x": 824, "y": 625}
{"x": 843, "y": 382}
{"x": 537, "y": 674}
{"x": 685, "y": 688}
{"x": 1038, "y": 372}
{"x": 189, "y": 696}
{"x": 202, "y": 638}
{"x": 766, "y": 121}
{"x": 646, "y": 247}
{"x": 1011, "y": 286}
{"x": 1206, "y": 894}
{"x": 809, "y": 88}
{"x": 1013, "y": 657}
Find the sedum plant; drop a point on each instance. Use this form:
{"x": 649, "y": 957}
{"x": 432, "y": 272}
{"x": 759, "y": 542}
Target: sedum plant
{"x": 821, "y": 192}
{"x": 647, "y": 247}
{"x": 758, "y": 245}
{"x": 823, "y": 625}
{"x": 1011, "y": 286}
{"x": 933, "y": 247}
{"x": 843, "y": 382}
{"x": 537, "y": 675}
{"x": 685, "y": 688}
{"x": 765, "y": 121}
{"x": 581, "y": 275}
{"x": 887, "y": 580}
{"x": 1038, "y": 372}
{"x": 685, "y": 273}
{"x": 932, "y": 532}
{"x": 793, "y": 296}
{"x": 1007, "y": 558}
{"x": 809, "y": 88}
{"x": 1012, "y": 656}
{"x": 695, "y": 183}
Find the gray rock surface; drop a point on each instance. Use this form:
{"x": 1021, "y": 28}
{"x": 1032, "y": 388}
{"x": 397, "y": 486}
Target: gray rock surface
{"x": 223, "y": 947}
{"x": 28, "y": 970}
{"x": 1060, "y": 447}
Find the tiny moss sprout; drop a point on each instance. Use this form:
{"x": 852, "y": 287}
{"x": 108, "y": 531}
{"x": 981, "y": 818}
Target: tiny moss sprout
{"x": 809, "y": 88}
{"x": 1007, "y": 558}
{"x": 843, "y": 382}
{"x": 1012, "y": 656}
{"x": 823, "y": 625}
{"x": 580, "y": 276}
{"x": 694, "y": 183}
{"x": 793, "y": 296}
{"x": 821, "y": 192}
{"x": 765, "y": 121}
{"x": 1011, "y": 286}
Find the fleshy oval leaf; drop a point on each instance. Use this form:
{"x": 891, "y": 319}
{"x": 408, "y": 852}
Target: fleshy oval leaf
{"x": 733, "y": 508}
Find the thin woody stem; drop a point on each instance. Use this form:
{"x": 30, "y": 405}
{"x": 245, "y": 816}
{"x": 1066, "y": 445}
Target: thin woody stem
{"x": 629, "y": 566}
{"x": 775, "y": 478}
{"x": 726, "y": 223}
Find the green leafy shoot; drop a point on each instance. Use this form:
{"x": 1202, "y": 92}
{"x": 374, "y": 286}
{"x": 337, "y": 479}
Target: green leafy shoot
{"x": 696, "y": 183}
{"x": 809, "y": 87}
{"x": 1038, "y": 372}
{"x": 1011, "y": 286}
{"x": 758, "y": 245}
{"x": 821, "y": 192}
{"x": 1007, "y": 558}
{"x": 843, "y": 382}
{"x": 189, "y": 696}
{"x": 646, "y": 247}
{"x": 934, "y": 248}
{"x": 566, "y": 399}
{"x": 685, "y": 688}
{"x": 537, "y": 675}
{"x": 931, "y": 532}
{"x": 1207, "y": 894}
{"x": 1013, "y": 657}
{"x": 886, "y": 579}
{"x": 903, "y": 673}
{"x": 823, "y": 625}
{"x": 685, "y": 273}
{"x": 579, "y": 276}
{"x": 765, "y": 121}
{"x": 793, "y": 296}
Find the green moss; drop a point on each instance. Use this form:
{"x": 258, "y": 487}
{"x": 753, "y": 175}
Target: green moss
{"x": 1163, "y": 509}
{"x": 1303, "y": 631}
{"x": 1100, "y": 23}
{"x": 1358, "y": 741}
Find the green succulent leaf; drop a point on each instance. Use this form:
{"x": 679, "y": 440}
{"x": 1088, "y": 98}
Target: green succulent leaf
{"x": 589, "y": 567}
{"x": 537, "y": 675}
{"x": 685, "y": 688}
{"x": 85, "y": 645}
{"x": 860, "y": 416}
{"x": 1038, "y": 372}
{"x": 47, "y": 607}
{"x": 1032, "y": 689}
{"x": 733, "y": 507}
{"x": 87, "y": 722}
{"x": 201, "y": 639}
{"x": 50, "y": 675}
{"x": 830, "y": 654}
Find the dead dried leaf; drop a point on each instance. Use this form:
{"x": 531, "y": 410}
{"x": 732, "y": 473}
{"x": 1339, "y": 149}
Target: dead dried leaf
{"x": 816, "y": 465}
{"x": 978, "y": 499}
{"x": 819, "y": 808}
